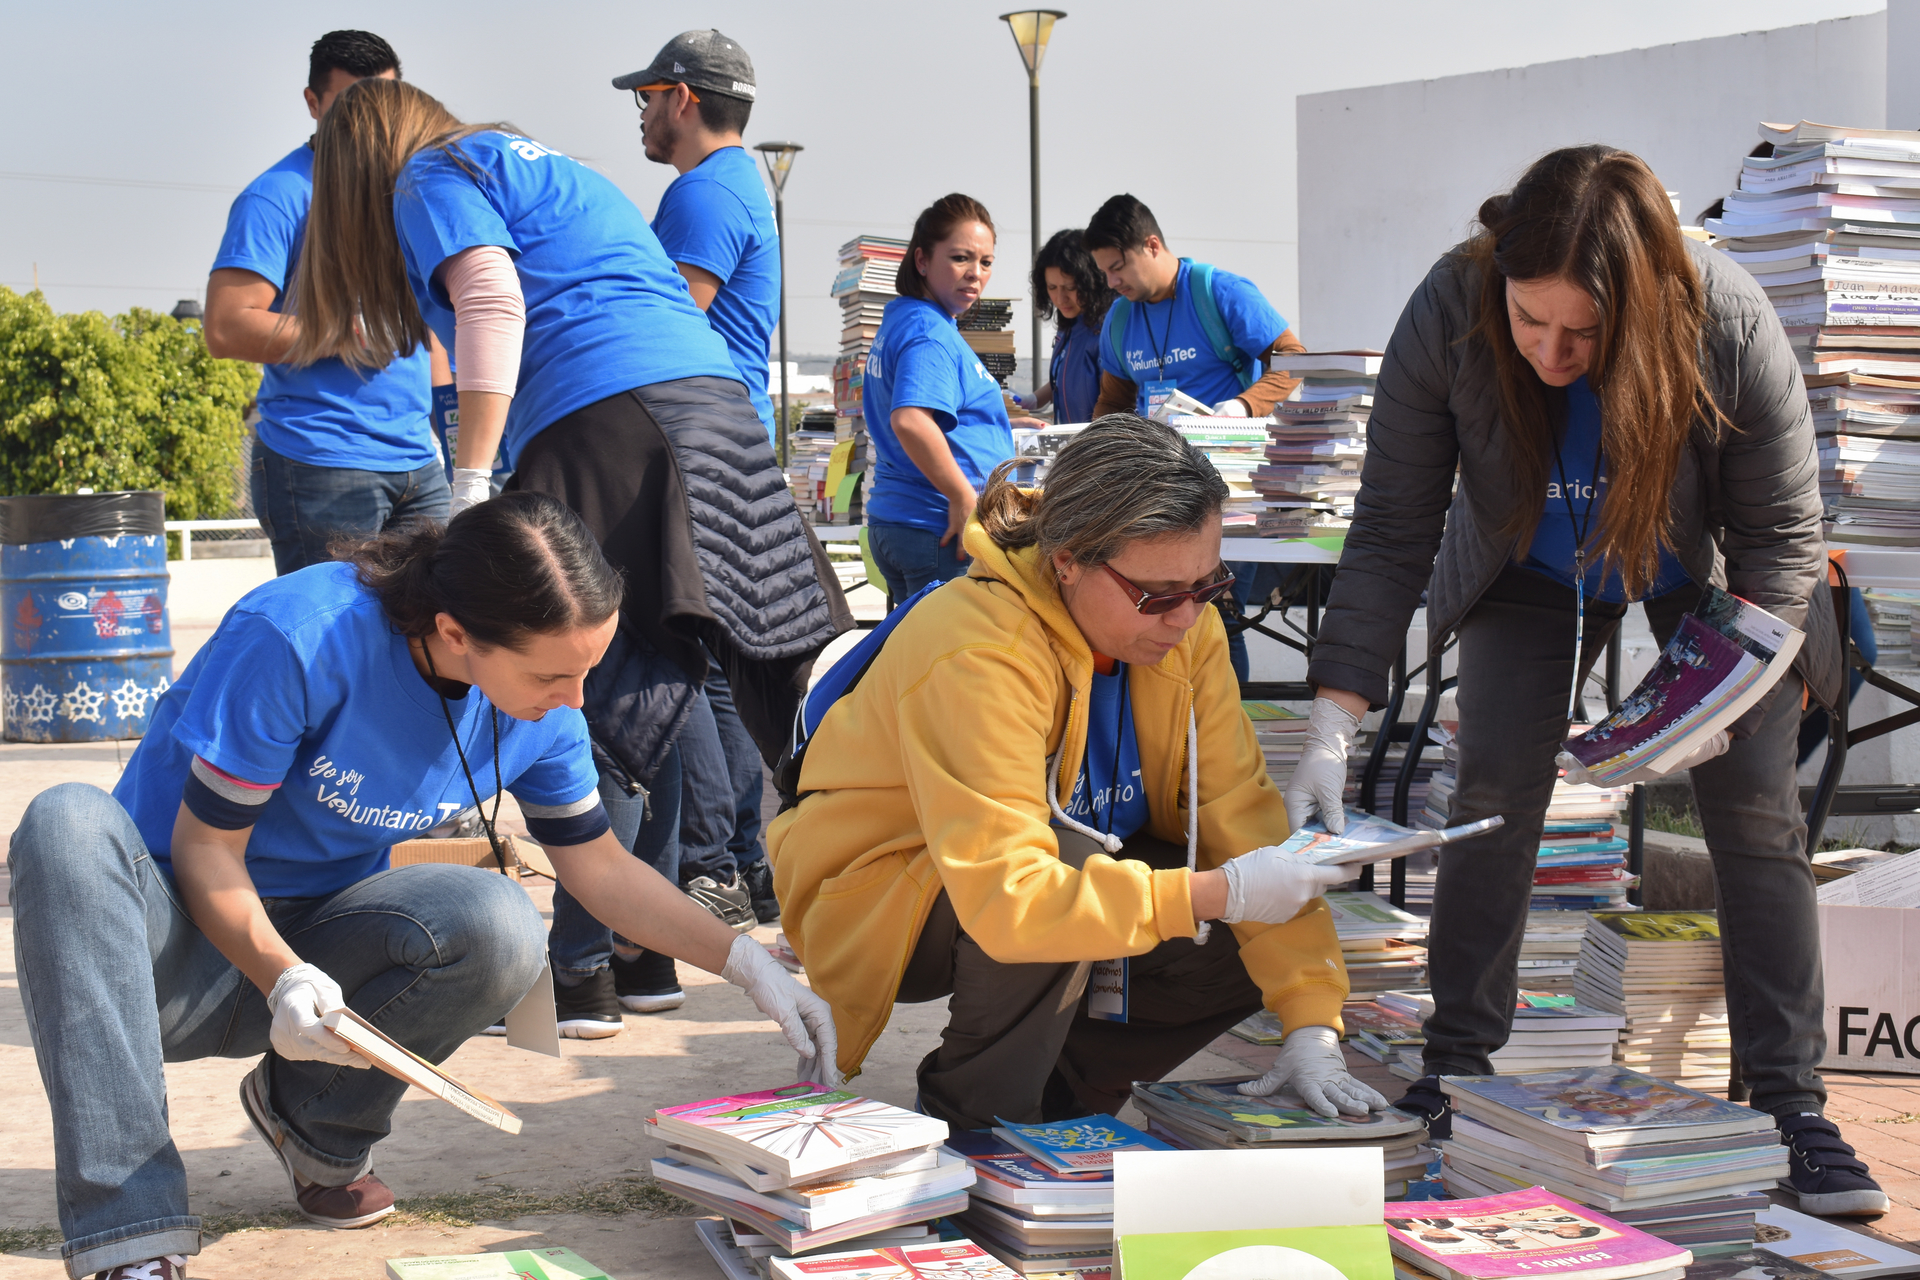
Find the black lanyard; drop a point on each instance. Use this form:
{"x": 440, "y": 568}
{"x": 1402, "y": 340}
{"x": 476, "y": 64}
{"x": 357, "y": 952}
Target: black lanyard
{"x": 1146, "y": 322}
{"x": 486, "y": 823}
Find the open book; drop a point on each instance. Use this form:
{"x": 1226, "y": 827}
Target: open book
{"x": 1373, "y": 839}
{"x": 394, "y": 1058}
{"x": 1723, "y": 659}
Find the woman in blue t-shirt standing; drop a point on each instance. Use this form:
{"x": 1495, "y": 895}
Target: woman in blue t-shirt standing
{"x": 1073, "y": 292}
{"x": 243, "y": 857}
{"x": 937, "y": 418}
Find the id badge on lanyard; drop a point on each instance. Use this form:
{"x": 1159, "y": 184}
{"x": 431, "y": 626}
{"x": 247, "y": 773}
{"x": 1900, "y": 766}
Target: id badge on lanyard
{"x": 1159, "y": 391}
{"x": 1107, "y": 990}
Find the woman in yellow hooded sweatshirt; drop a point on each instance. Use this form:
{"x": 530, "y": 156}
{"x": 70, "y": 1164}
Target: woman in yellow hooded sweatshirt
{"x": 1005, "y": 804}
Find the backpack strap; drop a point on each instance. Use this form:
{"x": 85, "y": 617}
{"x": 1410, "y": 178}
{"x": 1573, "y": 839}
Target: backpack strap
{"x": 1116, "y": 329}
{"x": 1207, "y": 307}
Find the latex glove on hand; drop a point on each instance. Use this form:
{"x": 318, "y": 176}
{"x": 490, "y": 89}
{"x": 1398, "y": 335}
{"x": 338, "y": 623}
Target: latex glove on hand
{"x": 1234, "y": 408}
{"x": 1269, "y": 887}
{"x": 1576, "y": 772}
{"x": 803, "y": 1017}
{"x": 1310, "y": 1064}
{"x": 471, "y": 487}
{"x": 1319, "y": 782}
{"x": 301, "y": 996}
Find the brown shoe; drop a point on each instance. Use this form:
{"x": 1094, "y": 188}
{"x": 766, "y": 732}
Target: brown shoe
{"x": 360, "y": 1203}
{"x": 171, "y": 1267}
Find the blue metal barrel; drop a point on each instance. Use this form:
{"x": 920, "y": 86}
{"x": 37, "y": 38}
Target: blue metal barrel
{"x": 85, "y": 646}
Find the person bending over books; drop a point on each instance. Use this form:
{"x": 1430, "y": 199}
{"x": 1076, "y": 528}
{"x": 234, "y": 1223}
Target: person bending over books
{"x": 1627, "y": 423}
{"x": 1046, "y": 774}
{"x": 234, "y": 888}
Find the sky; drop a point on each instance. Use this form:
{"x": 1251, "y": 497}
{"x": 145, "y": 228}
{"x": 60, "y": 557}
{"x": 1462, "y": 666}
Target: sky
{"x": 132, "y": 126}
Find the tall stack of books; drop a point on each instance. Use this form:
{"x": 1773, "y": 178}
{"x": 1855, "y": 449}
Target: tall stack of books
{"x": 986, "y": 327}
{"x": 1550, "y": 1032}
{"x": 809, "y": 451}
{"x": 1233, "y": 446}
{"x": 1677, "y": 1164}
{"x": 863, "y": 285}
{"x": 804, "y": 1168}
{"x": 1829, "y": 224}
{"x": 1318, "y": 440}
{"x": 1662, "y": 971}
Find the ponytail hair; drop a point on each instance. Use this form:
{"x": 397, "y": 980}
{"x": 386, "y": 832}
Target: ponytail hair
{"x": 520, "y": 565}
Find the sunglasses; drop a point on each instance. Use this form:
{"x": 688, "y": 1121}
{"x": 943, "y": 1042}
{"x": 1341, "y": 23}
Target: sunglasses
{"x": 640, "y": 95}
{"x": 1151, "y": 605}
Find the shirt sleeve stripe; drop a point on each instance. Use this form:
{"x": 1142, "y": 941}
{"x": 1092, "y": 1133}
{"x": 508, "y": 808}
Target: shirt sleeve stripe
{"x": 585, "y": 804}
{"x": 230, "y": 788}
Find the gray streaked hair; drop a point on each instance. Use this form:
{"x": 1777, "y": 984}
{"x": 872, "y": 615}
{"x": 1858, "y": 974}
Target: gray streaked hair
{"x": 1120, "y": 480}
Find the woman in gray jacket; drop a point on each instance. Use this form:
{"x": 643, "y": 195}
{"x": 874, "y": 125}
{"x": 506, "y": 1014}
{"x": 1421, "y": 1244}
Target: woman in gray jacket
{"x": 1624, "y": 417}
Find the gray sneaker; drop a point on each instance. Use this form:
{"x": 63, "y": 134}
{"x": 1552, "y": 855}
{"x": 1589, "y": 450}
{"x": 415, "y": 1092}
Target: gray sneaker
{"x": 729, "y": 903}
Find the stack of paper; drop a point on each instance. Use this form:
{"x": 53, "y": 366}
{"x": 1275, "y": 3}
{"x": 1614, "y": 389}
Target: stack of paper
{"x": 986, "y": 326}
{"x": 1233, "y": 445}
{"x": 1550, "y": 1031}
{"x": 1885, "y": 882}
{"x": 1677, "y": 1164}
{"x": 1524, "y": 1233}
{"x": 806, "y": 1167}
{"x": 1662, "y": 971}
{"x": 1318, "y": 442}
{"x": 1033, "y": 1215}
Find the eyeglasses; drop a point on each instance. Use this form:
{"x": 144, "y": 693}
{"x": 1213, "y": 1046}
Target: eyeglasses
{"x": 640, "y": 95}
{"x": 1152, "y": 605}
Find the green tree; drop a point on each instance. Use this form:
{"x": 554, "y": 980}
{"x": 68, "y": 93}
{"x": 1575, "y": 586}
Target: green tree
{"x": 132, "y": 402}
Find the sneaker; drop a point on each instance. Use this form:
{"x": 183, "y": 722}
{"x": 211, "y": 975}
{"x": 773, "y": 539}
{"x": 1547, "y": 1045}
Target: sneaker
{"x": 589, "y": 1010}
{"x": 1426, "y": 1100}
{"x": 729, "y": 903}
{"x": 171, "y": 1267}
{"x": 758, "y": 880}
{"x": 360, "y": 1203}
{"x": 1830, "y": 1180}
{"x": 647, "y": 983}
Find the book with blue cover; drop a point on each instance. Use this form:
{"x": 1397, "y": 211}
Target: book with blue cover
{"x": 1078, "y": 1146}
{"x": 1599, "y": 1107}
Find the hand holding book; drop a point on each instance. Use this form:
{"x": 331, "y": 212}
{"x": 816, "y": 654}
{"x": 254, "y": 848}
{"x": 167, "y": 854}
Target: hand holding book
{"x": 1576, "y": 772}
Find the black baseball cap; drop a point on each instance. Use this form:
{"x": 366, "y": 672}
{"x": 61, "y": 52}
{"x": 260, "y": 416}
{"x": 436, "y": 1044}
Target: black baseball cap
{"x": 703, "y": 60}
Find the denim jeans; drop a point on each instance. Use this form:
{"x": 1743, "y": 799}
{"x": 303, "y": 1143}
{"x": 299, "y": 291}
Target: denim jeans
{"x": 302, "y": 506}
{"x": 744, "y": 768}
{"x": 910, "y": 557}
{"x": 430, "y": 954}
{"x": 647, "y": 826}
{"x": 721, "y": 788}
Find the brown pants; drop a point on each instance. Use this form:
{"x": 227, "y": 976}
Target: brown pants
{"x": 1019, "y": 1045}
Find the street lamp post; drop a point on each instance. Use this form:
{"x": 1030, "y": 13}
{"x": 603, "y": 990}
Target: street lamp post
{"x": 779, "y": 160}
{"x": 1031, "y": 29}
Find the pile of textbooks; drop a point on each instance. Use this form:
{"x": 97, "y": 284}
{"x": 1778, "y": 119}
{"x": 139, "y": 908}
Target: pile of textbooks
{"x": 1829, "y": 225}
{"x": 1677, "y": 1164}
{"x": 1661, "y": 970}
{"x": 1317, "y": 442}
{"x": 863, "y": 285}
{"x": 803, "y": 1168}
{"x": 1043, "y": 1193}
{"x": 1524, "y": 1233}
{"x": 1282, "y": 734}
{"x": 1383, "y": 1034}
{"x": 986, "y": 327}
{"x": 1890, "y": 611}
{"x": 1384, "y": 947}
{"x": 1550, "y": 1032}
{"x": 1550, "y": 950}
{"x": 1233, "y": 446}
{"x": 1214, "y": 1114}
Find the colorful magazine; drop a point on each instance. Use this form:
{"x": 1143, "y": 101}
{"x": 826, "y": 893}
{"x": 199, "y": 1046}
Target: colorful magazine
{"x": 1599, "y": 1106}
{"x": 901, "y": 1262}
{"x": 802, "y": 1131}
{"x": 1368, "y": 838}
{"x": 1524, "y": 1233}
{"x": 1828, "y": 1247}
{"x": 1077, "y": 1146}
{"x": 1216, "y": 1106}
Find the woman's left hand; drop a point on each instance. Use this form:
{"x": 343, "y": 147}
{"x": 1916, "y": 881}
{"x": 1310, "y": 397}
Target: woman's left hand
{"x": 1311, "y": 1065}
{"x": 1032, "y": 424}
{"x": 803, "y": 1017}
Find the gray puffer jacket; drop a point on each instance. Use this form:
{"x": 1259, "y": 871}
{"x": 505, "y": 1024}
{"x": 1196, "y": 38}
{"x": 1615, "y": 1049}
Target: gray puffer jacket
{"x": 1746, "y": 503}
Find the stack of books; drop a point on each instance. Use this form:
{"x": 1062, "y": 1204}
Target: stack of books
{"x": 1213, "y": 1115}
{"x": 1677, "y": 1164}
{"x": 1381, "y": 1033}
{"x": 1829, "y": 225}
{"x": 1550, "y": 1032}
{"x": 1282, "y": 733}
{"x": 805, "y": 1167}
{"x": 1891, "y": 612}
{"x": 1662, "y": 971}
{"x": 1318, "y": 440}
{"x": 1550, "y": 950}
{"x": 1234, "y": 446}
{"x": 1524, "y": 1233}
{"x": 986, "y": 327}
{"x": 1384, "y": 947}
{"x": 863, "y": 285}
{"x": 1043, "y": 1194}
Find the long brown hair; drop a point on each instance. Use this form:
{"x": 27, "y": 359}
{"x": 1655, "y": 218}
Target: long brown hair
{"x": 935, "y": 223}
{"x": 1599, "y": 219}
{"x": 350, "y": 290}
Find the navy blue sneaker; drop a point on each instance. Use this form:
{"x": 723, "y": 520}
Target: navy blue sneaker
{"x": 1426, "y": 1100}
{"x": 1829, "y": 1179}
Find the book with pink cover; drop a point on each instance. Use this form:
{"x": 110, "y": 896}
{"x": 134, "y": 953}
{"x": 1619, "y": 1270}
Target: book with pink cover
{"x": 1524, "y": 1233}
{"x": 801, "y": 1131}
{"x": 897, "y": 1262}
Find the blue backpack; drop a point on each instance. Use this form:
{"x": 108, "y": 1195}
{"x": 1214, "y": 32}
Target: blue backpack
{"x": 1206, "y": 306}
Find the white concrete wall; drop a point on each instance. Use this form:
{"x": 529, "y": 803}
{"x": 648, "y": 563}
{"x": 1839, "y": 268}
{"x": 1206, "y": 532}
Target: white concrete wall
{"x": 1391, "y": 175}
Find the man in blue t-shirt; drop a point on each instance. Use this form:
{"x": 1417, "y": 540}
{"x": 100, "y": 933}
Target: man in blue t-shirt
{"x": 338, "y": 450}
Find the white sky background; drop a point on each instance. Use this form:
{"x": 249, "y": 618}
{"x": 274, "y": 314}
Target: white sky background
{"x": 168, "y": 110}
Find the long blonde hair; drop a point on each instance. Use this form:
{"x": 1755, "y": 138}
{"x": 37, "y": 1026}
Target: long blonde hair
{"x": 350, "y": 291}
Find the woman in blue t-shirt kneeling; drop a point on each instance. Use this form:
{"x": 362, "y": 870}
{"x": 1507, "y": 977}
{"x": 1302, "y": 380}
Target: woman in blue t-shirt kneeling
{"x": 936, "y": 417}
{"x": 336, "y": 711}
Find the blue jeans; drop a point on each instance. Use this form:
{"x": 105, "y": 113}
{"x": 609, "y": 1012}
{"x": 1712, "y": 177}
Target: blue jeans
{"x": 429, "y": 954}
{"x": 744, "y": 767}
{"x": 302, "y": 506}
{"x": 910, "y": 557}
{"x": 647, "y": 826}
{"x": 721, "y": 788}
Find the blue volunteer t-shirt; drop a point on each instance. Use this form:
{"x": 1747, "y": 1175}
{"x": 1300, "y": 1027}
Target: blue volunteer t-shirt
{"x": 1109, "y": 796}
{"x": 1164, "y": 341}
{"x": 719, "y": 218}
{"x": 306, "y": 688}
{"x": 606, "y": 311}
{"x": 920, "y": 361}
{"x": 1075, "y": 371}
{"x": 326, "y": 414}
{"x": 1567, "y": 508}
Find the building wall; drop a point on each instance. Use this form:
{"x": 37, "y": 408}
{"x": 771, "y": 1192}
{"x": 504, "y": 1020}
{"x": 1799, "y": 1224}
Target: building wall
{"x": 1391, "y": 175}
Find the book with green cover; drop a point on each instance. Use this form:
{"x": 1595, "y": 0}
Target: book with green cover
{"x": 515, "y": 1264}
{"x": 1298, "y": 1253}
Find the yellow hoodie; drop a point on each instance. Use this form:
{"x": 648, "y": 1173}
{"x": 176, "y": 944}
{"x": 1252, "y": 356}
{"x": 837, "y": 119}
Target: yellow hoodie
{"x": 932, "y": 773}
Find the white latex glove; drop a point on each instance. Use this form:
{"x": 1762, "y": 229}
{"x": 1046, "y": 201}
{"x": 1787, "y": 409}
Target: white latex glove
{"x": 301, "y": 996}
{"x": 1577, "y": 772}
{"x": 1269, "y": 887}
{"x": 1310, "y": 1064}
{"x": 803, "y": 1017}
{"x": 471, "y": 487}
{"x": 1233, "y": 408}
{"x": 1319, "y": 782}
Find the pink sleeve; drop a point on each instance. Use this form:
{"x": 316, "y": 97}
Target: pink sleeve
{"x": 490, "y": 319}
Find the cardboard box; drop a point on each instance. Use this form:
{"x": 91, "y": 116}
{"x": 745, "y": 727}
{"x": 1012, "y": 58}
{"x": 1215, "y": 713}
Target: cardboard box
{"x": 476, "y": 852}
{"x": 1872, "y": 959}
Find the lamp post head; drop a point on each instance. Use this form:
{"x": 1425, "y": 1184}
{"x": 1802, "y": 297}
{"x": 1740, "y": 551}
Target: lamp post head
{"x": 1031, "y": 29}
{"x": 779, "y": 160}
